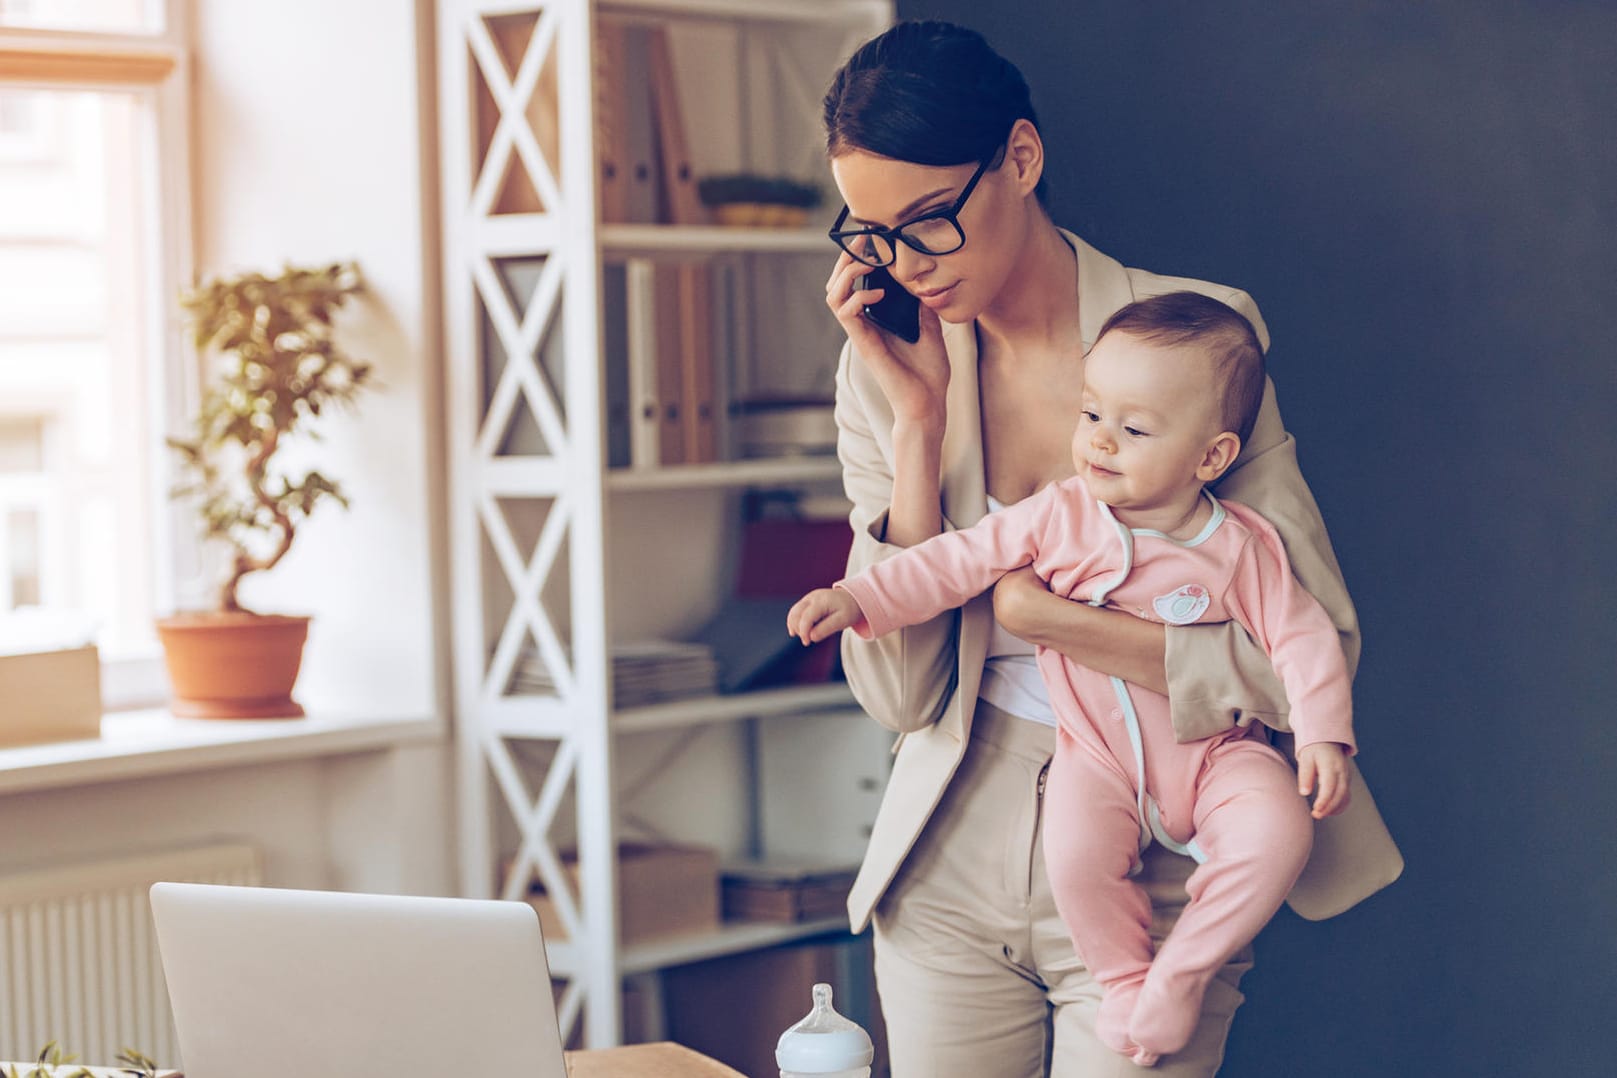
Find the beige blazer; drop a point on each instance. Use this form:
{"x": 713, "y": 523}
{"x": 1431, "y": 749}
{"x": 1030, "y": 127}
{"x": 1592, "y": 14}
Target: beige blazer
{"x": 922, "y": 681}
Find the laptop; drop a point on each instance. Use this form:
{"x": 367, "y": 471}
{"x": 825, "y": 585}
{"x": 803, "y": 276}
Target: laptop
{"x": 267, "y": 983}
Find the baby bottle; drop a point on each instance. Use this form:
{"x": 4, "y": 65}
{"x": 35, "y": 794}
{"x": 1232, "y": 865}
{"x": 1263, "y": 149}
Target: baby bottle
{"x": 824, "y": 1044}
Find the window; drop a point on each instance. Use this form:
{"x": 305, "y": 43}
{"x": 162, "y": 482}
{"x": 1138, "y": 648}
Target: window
{"x": 93, "y": 163}
{"x": 117, "y": 16}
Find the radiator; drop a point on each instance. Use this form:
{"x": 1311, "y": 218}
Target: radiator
{"x": 78, "y": 952}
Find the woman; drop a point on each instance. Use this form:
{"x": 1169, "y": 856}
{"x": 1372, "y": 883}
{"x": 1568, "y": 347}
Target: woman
{"x": 935, "y": 148}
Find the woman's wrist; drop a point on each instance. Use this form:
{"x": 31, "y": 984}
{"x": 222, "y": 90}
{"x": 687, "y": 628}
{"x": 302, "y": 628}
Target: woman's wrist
{"x": 919, "y": 431}
{"x": 914, "y": 514}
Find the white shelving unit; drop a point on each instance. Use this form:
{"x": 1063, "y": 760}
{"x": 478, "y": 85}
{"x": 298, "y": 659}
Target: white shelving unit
{"x": 531, "y": 542}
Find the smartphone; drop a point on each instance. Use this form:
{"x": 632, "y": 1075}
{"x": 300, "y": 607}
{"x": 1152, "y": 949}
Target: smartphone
{"x": 897, "y": 312}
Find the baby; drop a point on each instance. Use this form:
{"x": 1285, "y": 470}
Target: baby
{"x": 1171, "y": 388}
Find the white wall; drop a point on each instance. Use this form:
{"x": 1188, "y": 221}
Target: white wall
{"x": 308, "y": 144}
{"x": 308, "y": 148}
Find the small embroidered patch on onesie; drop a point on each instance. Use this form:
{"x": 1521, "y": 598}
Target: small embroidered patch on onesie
{"x": 1183, "y": 605}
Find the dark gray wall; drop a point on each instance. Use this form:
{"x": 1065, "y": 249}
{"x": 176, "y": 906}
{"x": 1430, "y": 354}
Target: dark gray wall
{"x": 1423, "y": 200}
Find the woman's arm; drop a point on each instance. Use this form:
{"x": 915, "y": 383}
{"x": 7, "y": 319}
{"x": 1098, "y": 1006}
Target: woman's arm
{"x": 1109, "y": 641}
{"x": 903, "y": 680}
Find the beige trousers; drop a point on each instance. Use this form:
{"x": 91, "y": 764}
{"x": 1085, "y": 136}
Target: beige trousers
{"x": 976, "y": 972}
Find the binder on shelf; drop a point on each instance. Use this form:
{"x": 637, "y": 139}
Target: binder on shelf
{"x": 670, "y": 365}
{"x": 645, "y": 407}
{"x": 696, "y": 362}
{"x": 679, "y": 203}
{"x": 611, "y": 131}
{"x": 639, "y": 129}
{"x": 616, "y": 330}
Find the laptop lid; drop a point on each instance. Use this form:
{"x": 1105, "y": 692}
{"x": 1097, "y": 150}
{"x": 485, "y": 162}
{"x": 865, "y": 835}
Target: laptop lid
{"x": 321, "y": 984}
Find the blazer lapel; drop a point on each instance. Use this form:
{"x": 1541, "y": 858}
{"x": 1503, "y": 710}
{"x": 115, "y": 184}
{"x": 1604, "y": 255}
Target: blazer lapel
{"x": 1103, "y": 287}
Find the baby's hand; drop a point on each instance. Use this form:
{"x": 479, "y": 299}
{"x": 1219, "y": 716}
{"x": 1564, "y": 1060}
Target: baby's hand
{"x": 820, "y": 613}
{"x": 1326, "y": 761}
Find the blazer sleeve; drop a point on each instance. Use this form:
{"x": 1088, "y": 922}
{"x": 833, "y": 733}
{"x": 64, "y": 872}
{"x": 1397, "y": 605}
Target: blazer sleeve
{"x": 1294, "y": 629}
{"x": 903, "y": 680}
{"x": 1218, "y": 676}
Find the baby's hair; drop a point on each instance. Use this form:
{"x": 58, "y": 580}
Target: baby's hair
{"x": 1223, "y": 334}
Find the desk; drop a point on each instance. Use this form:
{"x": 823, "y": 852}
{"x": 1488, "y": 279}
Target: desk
{"x": 661, "y": 1060}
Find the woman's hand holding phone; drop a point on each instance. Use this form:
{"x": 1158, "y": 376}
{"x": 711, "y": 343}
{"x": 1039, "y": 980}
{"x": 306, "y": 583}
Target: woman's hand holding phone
{"x": 913, "y": 377}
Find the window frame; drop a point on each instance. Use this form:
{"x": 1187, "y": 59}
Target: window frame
{"x": 155, "y": 67}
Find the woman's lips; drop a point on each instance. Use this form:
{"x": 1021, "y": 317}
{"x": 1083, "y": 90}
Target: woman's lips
{"x": 937, "y": 298}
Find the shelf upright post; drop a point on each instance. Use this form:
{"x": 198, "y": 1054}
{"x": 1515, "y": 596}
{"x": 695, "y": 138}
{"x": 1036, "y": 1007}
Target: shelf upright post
{"x": 522, "y": 252}
{"x": 533, "y": 62}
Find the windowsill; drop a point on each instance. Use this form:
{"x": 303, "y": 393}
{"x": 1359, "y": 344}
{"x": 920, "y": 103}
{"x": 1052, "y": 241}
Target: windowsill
{"x": 140, "y": 744}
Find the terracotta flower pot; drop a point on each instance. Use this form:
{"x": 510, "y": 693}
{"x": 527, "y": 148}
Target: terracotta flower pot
{"x": 235, "y": 665}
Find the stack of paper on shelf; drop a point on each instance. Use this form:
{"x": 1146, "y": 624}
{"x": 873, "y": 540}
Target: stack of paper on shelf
{"x": 654, "y": 670}
{"x": 785, "y": 426}
{"x": 643, "y": 672}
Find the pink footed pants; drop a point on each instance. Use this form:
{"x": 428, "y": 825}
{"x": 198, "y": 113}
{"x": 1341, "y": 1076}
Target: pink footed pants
{"x": 1248, "y": 818}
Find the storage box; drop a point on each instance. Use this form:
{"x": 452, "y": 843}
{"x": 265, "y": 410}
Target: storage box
{"x": 785, "y": 892}
{"x": 662, "y": 891}
{"x": 50, "y": 696}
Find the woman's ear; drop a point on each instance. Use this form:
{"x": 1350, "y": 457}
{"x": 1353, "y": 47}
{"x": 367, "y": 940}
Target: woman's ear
{"x": 1025, "y": 153}
{"x": 1218, "y": 456}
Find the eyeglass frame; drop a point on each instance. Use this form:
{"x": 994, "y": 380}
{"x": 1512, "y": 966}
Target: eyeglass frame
{"x": 895, "y": 235}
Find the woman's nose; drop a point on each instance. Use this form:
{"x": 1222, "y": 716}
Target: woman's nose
{"x": 908, "y": 264}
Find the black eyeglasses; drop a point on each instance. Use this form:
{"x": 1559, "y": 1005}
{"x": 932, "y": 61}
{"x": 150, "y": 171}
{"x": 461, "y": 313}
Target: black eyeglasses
{"x": 935, "y": 233}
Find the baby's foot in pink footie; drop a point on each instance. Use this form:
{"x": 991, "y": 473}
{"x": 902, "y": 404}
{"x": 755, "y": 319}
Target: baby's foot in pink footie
{"x": 1112, "y": 1021}
{"x": 1165, "y": 1016}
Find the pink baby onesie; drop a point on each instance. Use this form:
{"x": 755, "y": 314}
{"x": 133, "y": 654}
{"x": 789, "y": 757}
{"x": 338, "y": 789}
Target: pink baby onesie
{"x": 1118, "y": 777}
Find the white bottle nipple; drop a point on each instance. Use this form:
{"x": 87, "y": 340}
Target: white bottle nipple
{"x": 824, "y": 1043}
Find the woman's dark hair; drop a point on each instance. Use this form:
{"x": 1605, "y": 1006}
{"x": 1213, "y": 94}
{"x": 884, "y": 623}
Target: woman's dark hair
{"x": 927, "y": 92}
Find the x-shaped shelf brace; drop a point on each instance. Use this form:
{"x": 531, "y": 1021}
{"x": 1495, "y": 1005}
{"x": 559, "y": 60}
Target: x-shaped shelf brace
{"x": 511, "y": 96}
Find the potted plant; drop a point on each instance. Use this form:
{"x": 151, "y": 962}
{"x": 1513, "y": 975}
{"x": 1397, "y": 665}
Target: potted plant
{"x": 278, "y": 368}
{"x": 52, "y": 1058}
{"x": 753, "y": 199}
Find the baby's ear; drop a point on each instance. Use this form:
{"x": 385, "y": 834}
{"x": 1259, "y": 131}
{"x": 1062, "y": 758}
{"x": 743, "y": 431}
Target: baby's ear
{"x": 1218, "y": 456}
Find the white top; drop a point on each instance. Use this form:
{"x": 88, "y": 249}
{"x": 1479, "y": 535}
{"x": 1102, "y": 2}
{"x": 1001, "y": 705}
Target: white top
{"x": 1011, "y": 680}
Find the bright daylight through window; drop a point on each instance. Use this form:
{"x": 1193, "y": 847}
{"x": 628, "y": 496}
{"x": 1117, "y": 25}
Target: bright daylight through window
{"x": 88, "y": 261}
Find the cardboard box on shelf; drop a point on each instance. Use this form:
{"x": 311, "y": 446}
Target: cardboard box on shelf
{"x": 785, "y": 891}
{"x": 50, "y": 696}
{"x": 662, "y": 891}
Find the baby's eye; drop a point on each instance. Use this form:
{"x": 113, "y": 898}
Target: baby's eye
{"x": 1134, "y": 432}
{"x": 1090, "y": 417}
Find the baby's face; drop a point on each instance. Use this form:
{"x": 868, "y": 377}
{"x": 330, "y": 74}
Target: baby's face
{"x": 1148, "y": 418}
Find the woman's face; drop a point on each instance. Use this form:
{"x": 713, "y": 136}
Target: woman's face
{"x": 887, "y": 192}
